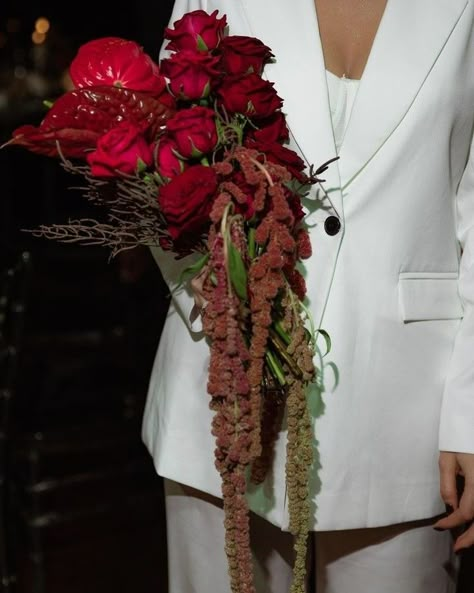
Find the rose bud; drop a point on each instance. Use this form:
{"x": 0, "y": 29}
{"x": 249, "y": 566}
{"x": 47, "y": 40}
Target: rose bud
{"x": 271, "y": 129}
{"x": 186, "y": 201}
{"x": 191, "y": 75}
{"x": 168, "y": 164}
{"x": 241, "y": 54}
{"x": 122, "y": 149}
{"x": 194, "y": 131}
{"x": 196, "y": 31}
{"x": 250, "y": 95}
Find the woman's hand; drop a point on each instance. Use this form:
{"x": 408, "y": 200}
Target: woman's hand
{"x": 451, "y": 467}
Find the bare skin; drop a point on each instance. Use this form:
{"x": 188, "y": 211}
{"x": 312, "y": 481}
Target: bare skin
{"x": 450, "y": 466}
{"x": 347, "y": 29}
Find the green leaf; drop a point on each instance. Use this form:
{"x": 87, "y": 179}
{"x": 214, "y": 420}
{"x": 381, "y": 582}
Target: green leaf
{"x": 327, "y": 340}
{"x": 141, "y": 166}
{"x": 192, "y": 270}
{"x": 201, "y": 44}
{"x": 237, "y": 271}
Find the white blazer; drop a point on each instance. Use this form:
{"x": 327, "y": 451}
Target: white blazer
{"x": 391, "y": 287}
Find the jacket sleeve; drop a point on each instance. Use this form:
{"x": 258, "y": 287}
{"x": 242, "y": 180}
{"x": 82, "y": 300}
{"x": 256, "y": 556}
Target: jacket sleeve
{"x": 457, "y": 411}
{"x": 170, "y": 267}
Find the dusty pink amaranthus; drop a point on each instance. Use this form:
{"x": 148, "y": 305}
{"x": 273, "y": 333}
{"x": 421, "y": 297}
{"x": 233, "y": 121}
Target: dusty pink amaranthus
{"x": 247, "y": 399}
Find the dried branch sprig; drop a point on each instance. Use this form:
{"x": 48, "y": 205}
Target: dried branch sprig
{"x": 93, "y": 233}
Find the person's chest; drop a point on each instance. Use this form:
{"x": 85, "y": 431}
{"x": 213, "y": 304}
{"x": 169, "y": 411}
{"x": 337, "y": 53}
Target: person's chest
{"x": 347, "y": 29}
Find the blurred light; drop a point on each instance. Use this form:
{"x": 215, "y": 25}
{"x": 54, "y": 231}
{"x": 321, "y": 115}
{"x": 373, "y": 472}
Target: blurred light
{"x": 13, "y": 25}
{"x": 42, "y": 25}
{"x": 37, "y": 38}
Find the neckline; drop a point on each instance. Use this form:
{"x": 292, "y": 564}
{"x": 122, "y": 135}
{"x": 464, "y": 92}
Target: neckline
{"x": 343, "y": 78}
{"x": 371, "y": 50}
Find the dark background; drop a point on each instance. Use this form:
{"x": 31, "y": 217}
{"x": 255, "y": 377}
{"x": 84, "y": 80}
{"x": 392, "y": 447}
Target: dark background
{"x": 82, "y": 507}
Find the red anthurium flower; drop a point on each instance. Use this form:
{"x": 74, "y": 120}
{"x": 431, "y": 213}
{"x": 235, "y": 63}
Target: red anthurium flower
{"x": 196, "y": 30}
{"x": 116, "y": 62}
{"x": 78, "y": 118}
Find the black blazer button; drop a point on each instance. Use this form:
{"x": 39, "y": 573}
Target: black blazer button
{"x": 332, "y": 225}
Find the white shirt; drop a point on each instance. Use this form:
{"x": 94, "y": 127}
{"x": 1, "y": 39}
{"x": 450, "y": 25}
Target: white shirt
{"x": 342, "y": 93}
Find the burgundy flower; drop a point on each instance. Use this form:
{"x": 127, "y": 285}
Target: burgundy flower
{"x": 196, "y": 30}
{"x": 194, "y": 131}
{"x": 250, "y": 95}
{"x": 80, "y": 117}
{"x": 241, "y": 54}
{"x": 271, "y": 129}
{"x": 167, "y": 162}
{"x": 120, "y": 150}
{"x": 116, "y": 62}
{"x": 281, "y": 155}
{"x": 186, "y": 202}
{"x": 191, "y": 74}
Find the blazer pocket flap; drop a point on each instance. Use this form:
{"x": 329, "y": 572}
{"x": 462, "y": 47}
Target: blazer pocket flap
{"x": 428, "y": 295}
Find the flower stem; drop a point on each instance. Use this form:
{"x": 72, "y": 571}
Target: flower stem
{"x": 280, "y": 347}
{"x": 251, "y": 241}
{"x": 275, "y": 367}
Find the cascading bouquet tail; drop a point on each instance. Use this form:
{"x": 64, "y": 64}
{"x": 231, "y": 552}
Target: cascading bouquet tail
{"x": 192, "y": 155}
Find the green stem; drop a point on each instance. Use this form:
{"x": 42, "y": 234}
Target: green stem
{"x": 275, "y": 367}
{"x": 280, "y": 347}
{"x": 251, "y": 240}
{"x": 281, "y": 332}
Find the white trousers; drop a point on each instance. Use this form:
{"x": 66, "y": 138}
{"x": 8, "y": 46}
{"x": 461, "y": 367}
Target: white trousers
{"x": 405, "y": 558}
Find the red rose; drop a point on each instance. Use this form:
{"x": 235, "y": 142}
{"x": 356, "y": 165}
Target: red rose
{"x": 194, "y": 131}
{"x": 113, "y": 61}
{"x": 196, "y": 30}
{"x": 191, "y": 74}
{"x": 186, "y": 202}
{"x": 120, "y": 149}
{"x": 281, "y": 155}
{"x": 167, "y": 162}
{"x": 241, "y": 54}
{"x": 250, "y": 95}
{"x": 271, "y": 129}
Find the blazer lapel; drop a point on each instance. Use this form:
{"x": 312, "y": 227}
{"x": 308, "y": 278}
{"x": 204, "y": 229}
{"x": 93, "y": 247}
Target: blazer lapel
{"x": 411, "y": 36}
{"x": 290, "y": 29}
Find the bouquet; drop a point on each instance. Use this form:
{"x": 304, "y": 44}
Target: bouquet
{"x": 191, "y": 155}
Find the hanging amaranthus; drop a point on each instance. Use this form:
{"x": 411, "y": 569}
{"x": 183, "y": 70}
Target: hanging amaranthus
{"x": 261, "y": 354}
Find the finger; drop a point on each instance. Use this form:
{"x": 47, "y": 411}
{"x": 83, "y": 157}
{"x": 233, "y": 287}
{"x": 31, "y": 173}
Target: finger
{"x": 447, "y": 478}
{"x": 463, "y": 514}
{"x": 466, "y": 504}
{"x": 465, "y": 540}
{"x": 455, "y": 519}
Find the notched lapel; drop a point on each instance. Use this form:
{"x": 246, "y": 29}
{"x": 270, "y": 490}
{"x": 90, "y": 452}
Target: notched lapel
{"x": 290, "y": 29}
{"x": 409, "y": 40}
